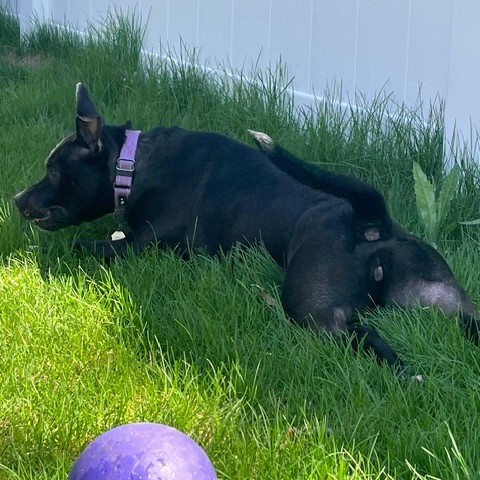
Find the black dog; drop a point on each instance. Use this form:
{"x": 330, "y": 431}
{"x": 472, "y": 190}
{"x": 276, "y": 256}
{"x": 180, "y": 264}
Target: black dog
{"x": 333, "y": 235}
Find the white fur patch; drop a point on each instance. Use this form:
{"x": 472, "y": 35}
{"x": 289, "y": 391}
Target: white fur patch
{"x": 264, "y": 141}
{"x": 340, "y": 319}
{"x": 441, "y": 295}
{"x": 427, "y": 294}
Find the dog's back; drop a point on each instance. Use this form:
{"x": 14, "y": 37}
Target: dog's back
{"x": 210, "y": 191}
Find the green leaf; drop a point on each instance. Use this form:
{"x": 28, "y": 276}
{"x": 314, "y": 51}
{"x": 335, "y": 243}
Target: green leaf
{"x": 447, "y": 193}
{"x": 471, "y": 222}
{"x": 450, "y": 228}
{"x": 425, "y": 199}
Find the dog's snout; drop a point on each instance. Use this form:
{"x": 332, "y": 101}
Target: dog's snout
{"x": 26, "y": 204}
{"x": 18, "y": 198}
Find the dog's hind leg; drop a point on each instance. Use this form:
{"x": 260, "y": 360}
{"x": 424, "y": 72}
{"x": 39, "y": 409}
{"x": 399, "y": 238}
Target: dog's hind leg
{"x": 323, "y": 290}
{"x": 471, "y": 327}
{"x": 369, "y": 339}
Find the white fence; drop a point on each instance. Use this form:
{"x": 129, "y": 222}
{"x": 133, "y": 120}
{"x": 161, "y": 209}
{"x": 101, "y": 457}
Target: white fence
{"x": 368, "y": 45}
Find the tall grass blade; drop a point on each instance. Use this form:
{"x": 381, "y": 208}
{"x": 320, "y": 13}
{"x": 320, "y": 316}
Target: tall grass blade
{"x": 447, "y": 193}
{"x": 425, "y": 198}
{"x": 471, "y": 222}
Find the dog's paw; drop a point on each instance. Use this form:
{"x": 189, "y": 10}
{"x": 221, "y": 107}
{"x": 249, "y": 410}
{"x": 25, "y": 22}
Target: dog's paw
{"x": 409, "y": 374}
{"x": 100, "y": 249}
{"x": 84, "y": 246}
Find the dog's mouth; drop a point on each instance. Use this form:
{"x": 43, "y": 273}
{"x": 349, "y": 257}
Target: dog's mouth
{"x": 52, "y": 218}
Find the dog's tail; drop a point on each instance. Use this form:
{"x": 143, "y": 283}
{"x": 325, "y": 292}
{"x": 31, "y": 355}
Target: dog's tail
{"x": 368, "y": 203}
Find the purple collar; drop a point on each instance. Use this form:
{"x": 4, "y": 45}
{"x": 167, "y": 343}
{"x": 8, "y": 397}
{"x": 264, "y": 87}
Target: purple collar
{"x": 124, "y": 170}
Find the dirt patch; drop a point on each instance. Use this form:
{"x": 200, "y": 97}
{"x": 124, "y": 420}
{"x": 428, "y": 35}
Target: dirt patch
{"x": 28, "y": 61}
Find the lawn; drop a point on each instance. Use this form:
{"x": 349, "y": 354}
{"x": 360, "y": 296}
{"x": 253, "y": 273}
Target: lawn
{"x": 204, "y": 345}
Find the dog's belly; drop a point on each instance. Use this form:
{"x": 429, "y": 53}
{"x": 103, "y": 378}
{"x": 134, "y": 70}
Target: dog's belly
{"x": 258, "y": 213}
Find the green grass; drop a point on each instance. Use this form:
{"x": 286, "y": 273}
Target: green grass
{"x": 85, "y": 347}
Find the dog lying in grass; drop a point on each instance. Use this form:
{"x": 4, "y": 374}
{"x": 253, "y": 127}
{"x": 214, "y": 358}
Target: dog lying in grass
{"x": 341, "y": 251}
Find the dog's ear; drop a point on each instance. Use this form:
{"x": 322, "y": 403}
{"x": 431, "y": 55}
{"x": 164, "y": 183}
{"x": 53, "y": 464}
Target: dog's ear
{"x": 85, "y": 106}
{"x": 88, "y": 131}
{"x": 88, "y": 122}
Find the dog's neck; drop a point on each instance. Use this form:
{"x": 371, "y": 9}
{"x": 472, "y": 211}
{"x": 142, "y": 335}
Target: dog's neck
{"x": 121, "y": 144}
{"x": 124, "y": 170}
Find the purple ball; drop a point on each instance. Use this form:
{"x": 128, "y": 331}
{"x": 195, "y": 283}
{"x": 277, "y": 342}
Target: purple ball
{"x": 141, "y": 451}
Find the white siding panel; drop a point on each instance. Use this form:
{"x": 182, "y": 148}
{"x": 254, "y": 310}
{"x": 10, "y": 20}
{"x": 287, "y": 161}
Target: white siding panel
{"x": 381, "y": 58}
{"x": 290, "y": 38}
{"x": 463, "y": 101}
{"x": 125, "y": 6}
{"x": 23, "y": 9}
{"x": 79, "y": 14}
{"x": 100, "y": 8}
{"x": 251, "y": 33}
{"x": 59, "y": 10}
{"x": 429, "y": 48}
{"x": 333, "y": 48}
{"x": 183, "y": 23}
{"x": 42, "y": 7}
{"x": 366, "y": 45}
{"x": 215, "y": 30}
{"x": 12, "y": 5}
{"x": 156, "y": 16}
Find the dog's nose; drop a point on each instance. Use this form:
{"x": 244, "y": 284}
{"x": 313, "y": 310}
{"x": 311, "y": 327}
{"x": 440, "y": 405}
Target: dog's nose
{"x": 19, "y": 200}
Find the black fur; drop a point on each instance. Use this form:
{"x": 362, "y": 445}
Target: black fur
{"x": 198, "y": 189}
{"x": 371, "y": 212}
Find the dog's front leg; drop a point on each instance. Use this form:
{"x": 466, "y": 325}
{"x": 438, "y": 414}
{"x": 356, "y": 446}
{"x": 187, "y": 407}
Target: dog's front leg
{"x": 107, "y": 249}
{"x": 135, "y": 241}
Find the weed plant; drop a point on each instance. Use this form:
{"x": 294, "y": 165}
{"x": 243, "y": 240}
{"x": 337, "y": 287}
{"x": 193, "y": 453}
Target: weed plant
{"x": 203, "y": 345}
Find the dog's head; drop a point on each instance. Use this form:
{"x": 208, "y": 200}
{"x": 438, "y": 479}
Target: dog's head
{"x": 77, "y": 186}
{"x": 406, "y": 271}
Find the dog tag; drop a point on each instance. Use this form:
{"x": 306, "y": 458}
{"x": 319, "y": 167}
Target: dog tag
{"x": 117, "y": 235}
